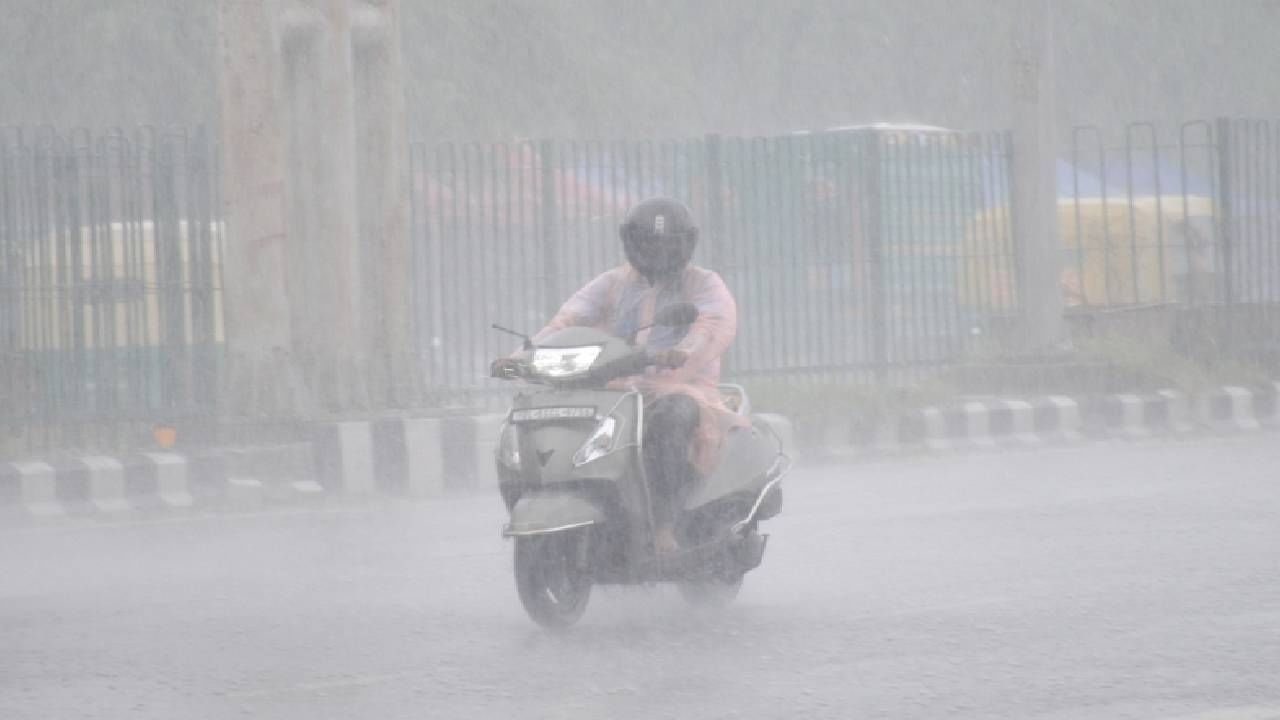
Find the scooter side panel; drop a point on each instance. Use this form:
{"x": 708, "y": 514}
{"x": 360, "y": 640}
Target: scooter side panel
{"x": 748, "y": 455}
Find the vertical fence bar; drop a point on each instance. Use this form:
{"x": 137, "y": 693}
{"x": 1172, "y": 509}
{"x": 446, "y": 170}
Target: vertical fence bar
{"x": 1255, "y": 154}
{"x": 1007, "y": 149}
{"x": 433, "y": 233}
{"x": 1273, "y": 214}
{"x": 547, "y": 212}
{"x": 1189, "y": 252}
{"x": 826, "y": 265}
{"x": 417, "y": 314}
{"x": 789, "y": 239}
{"x": 714, "y": 149}
{"x": 1273, "y": 229}
{"x": 973, "y": 305}
{"x": 713, "y": 153}
{"x": 1266, "y": 251}
{"x": 1226, "y": 218}
{"x": 872, "y": 189}
{"x": 449, "y": 239}
{"x": 939, "y": 238}
{"x": 842, "y": 240}
{"x": 1161, "y": 262}
{"x": 1081, "y": 278}
{"x": 1133, "y": 220}
{"x": 905, "y": 310}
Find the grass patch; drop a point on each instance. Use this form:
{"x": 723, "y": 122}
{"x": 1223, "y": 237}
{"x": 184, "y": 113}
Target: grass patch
{"x": 815, "y": 403}
{"x": 1159, "y": 364}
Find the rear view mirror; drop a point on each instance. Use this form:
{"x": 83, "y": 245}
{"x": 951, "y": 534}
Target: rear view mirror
{"x": 677, "y": 315}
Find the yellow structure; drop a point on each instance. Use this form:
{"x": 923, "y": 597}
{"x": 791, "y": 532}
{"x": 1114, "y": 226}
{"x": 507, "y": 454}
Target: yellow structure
{"x": 1121, "y": 253}
{"x": 1114, "y": 253}
{"x": 117, "y": 283}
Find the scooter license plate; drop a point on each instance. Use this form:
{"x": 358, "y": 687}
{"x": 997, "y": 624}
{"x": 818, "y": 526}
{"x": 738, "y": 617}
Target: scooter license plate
{"x": 553, "y": 413}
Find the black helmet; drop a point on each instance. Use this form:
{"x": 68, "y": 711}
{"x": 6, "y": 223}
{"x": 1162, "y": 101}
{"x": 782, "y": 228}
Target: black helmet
{"x": 658, "y": 237}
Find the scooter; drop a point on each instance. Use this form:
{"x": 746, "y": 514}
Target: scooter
{"x": 572, "y": 475}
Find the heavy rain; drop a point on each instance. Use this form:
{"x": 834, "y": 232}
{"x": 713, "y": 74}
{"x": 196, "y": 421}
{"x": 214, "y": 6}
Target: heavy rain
{"x": 640, "y": 359}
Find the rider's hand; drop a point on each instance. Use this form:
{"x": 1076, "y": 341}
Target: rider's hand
{"x": 504, "y": 368}
{"x": 672, "y": 358}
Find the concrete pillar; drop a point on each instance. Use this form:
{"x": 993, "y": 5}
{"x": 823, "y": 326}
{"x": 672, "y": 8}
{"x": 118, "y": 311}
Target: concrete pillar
{"x": 324, "y": 272}
{"x": 382, "y": 169}
{"x": 319, "y": 262}
{"x": 261, "y": 380}
{"x": 1034, "y": 182}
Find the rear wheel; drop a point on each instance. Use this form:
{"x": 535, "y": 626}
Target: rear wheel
{"x": 551, "y": 577}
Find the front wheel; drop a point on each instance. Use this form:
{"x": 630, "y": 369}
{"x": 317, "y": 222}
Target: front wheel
{"x": 551, "y": 577}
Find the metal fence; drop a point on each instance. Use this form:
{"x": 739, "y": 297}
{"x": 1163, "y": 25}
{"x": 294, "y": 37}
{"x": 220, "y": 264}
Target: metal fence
{"x": 853, "y": 251}
{"x": 871, "y": 252}
{"x": 110, "y": 281}
{"x": 1185, "y": 218}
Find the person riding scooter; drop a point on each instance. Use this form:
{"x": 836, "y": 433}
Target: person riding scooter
{"x": 687, "y": 419}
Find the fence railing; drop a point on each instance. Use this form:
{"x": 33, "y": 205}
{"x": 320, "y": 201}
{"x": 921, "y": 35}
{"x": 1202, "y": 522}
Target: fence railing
{"x": 110, "y": 280}
{"x": 872, "y": 252}
{"x": 857, "y": 251}
{"x": 1182, "y": 218}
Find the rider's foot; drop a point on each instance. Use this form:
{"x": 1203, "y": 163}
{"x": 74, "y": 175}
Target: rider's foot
{"x": 664, "y": 540}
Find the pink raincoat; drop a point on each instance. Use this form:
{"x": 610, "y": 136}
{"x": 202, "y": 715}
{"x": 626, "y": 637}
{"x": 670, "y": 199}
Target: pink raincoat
{"x": 621, "y": 300}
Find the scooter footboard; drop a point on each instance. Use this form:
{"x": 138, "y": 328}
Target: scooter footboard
{"x": 543, "y": 513}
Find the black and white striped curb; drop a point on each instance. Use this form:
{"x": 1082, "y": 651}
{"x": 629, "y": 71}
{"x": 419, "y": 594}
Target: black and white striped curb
{"x": 396, "y": 457}
{"x": 415, "y": 457}
{"x": 989, "y": 424}
{"x": 423, "y": 457}
{"x": 1138, "y": 416}
{"x": 148, "y": 482}
{"x": 96, "y": 484}
{"x": 1238, "y": 408}
{"x": 430, "y": 456}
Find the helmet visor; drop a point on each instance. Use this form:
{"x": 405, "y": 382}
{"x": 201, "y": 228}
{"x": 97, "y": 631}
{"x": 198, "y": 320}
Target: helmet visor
{"x": 657, "y": 254}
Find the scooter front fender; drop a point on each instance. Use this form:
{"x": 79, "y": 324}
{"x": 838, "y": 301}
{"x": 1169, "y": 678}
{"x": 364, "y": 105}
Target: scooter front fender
{"x": 543, "y": 513}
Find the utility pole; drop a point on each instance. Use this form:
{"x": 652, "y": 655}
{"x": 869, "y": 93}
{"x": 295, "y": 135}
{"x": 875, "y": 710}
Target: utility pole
{"x": 1035, "y": 192}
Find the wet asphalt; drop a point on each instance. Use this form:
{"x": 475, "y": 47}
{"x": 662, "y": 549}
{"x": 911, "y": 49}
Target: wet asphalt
{"x": 1104, "y": 581}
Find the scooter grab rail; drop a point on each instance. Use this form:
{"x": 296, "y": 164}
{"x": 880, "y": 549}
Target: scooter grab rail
{"x": 781, "y": 466}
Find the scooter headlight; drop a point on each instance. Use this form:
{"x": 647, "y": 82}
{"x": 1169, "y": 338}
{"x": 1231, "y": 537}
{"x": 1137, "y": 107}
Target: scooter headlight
{"x": 564, "y": 362}
{"x": 599, "y": 444}
{"x": 509, "y": 446}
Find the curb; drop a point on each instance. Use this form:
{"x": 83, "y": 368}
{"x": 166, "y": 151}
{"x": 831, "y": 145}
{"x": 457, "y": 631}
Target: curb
{"x": 95, "y": 485}
{"x": 424, "y": 457}
{"x": 984, "y": 425}
{"x": 414, "y": 457}
{"x": 397, "y": 457}
{"x": 990, "y": 424}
